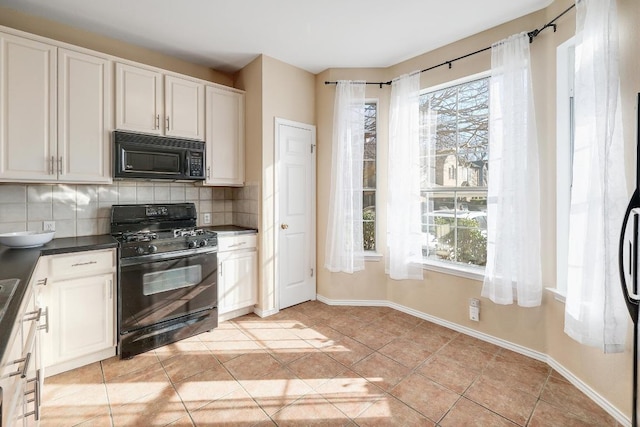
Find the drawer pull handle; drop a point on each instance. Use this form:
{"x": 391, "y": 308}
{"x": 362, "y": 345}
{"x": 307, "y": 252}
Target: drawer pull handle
{"x": 32, "y": 315}
{"x": 46, "y": 325}
{"x": 36, "y": 397}
{"x": 84, "y": 263}
{"x": 42, "y": 282}
{"x": 23, "y": 372}
{"x": 237, "y": 244}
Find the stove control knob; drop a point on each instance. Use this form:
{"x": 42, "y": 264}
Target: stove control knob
{"x": 140, "y": 250}
{"x": 193, "y": 244}
{"x": 203, "y": 242}
{"x": 153, "y": 249}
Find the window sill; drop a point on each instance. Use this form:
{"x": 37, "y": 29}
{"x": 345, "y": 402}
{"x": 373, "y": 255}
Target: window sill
{"x": 558, "y": 295}
{"x": 372, "y": 256}
{"x": 475, "y": 273}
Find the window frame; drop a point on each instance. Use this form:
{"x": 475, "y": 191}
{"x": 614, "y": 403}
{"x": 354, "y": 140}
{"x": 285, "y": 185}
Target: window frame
{"x": 451, "y": 268}
{"x": 565, "y": 57}
{"x": 374, "y": 255}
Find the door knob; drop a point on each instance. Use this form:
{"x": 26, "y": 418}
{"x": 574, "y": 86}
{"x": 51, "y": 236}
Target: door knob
{"x": 284, "y": 226}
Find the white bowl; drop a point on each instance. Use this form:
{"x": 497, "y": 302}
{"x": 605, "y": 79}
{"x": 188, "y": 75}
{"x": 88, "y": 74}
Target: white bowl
{"x": 26, "y": 239}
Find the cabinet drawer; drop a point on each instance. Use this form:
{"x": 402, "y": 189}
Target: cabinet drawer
{"x": 79, "y": 263}
{"x": 233, "y": 243}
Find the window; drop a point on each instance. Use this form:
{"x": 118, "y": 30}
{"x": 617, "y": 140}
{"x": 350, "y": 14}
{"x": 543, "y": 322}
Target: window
{"x": 454, "y": 154}
{"x": 369, "y": 176}
{"x": 564, "y": 157}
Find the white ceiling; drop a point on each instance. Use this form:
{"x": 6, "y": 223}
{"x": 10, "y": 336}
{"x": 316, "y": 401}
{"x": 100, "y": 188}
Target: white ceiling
{"x": 312, "y": 35}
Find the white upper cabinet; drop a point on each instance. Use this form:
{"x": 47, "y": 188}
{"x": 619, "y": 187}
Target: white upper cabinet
{"x": 84, "y": 117}
{"x": 55, "y": 113}
{"x": 138, "y": 99}
{"x": 143, "y": 104}
{"x": 27, "y": 109}
{"x": 184, "y": 108}
{"x": 225, "y": 137}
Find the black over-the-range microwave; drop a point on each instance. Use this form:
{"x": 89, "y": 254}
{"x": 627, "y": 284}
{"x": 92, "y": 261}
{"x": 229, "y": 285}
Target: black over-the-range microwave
{"x": 139, "y": 156}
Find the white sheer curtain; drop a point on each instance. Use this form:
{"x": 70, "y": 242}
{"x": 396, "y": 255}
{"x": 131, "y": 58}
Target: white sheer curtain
{"x": 404, "y": 237}
{"x": 344, "y": 246}
{"x": 513, "y": 271}
{"x": 595, "y": 313}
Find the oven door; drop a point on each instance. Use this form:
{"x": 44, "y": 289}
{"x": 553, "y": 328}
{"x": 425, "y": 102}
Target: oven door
{"x": 158, "y": 290}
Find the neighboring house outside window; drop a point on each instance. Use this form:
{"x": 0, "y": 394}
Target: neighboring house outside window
{"x": 454, "y": 140}
{"x": 369, "y": 176}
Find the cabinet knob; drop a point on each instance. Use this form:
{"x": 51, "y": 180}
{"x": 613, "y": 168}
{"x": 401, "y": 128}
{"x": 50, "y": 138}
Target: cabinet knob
{"x": 284, "y": 226}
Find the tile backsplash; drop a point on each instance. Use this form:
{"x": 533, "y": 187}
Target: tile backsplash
{"x": 83, "y": 210}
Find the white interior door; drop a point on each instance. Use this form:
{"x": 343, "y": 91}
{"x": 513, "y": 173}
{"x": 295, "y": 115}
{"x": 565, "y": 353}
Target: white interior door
{"x": 295, "y": 212}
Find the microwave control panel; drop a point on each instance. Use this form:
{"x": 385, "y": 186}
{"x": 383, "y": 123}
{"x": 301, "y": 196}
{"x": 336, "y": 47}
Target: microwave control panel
{"x": 196, "y": 164}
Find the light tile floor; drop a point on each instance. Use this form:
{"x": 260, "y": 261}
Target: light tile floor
{"x": 315, "y": 364}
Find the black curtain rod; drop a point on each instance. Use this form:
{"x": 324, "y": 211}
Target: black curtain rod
{"x": 532, "y": 35}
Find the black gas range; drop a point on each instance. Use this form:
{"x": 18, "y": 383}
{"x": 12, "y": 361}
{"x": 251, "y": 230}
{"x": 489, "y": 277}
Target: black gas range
{"x": 167, "y": 275}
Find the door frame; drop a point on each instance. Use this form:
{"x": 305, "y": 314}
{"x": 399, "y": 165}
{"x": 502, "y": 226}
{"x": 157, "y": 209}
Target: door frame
{"x": 276, "y": 216}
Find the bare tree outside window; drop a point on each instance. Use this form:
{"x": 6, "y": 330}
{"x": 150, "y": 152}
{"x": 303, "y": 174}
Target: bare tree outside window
{"x": 454, "y": 167}
{"x": 369, "y": 176}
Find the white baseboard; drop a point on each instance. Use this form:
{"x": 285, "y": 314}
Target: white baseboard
{"x": 591, "y": 393}
{"x": 265, "y": 313}
{"x": 235, "y": 313}
{"x": 577, "y": 382}
{"x": 79, "y": 361}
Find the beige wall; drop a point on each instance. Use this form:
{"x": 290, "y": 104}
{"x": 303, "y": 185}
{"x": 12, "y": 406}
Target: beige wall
{"x": 286, "y": 92}
{"x": 64, "y": 33}
{"x": 445, "y": 296}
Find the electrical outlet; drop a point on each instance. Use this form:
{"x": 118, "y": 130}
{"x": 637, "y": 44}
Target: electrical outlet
{"x": 206, "y": 218}
{"x": 474, "y": 302}
{"x": 48, "y": 225}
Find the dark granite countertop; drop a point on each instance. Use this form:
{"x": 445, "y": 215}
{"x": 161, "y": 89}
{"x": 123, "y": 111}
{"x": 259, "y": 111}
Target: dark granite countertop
{"x": 232, "y": 229}
{"x": 20, "y": 263}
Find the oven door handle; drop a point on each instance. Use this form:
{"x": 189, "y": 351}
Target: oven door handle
{"x": 167, "y": 255}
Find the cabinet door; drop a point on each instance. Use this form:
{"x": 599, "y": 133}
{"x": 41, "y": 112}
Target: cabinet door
{"x": 81, "y": 312}
{"x": 27, "y": 109}
{"x": 224, "y": 137}
{"x": 138, "y": 99}
{"x": 238, "y": 282}
{"x": 184, "y": 108}
{"x": 84, "y": 122}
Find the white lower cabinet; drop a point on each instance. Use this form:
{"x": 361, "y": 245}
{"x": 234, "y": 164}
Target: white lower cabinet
{"x": 79, "y": 299}
{"x": 237, "y": 275}
{"x": 20, "y": 369}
